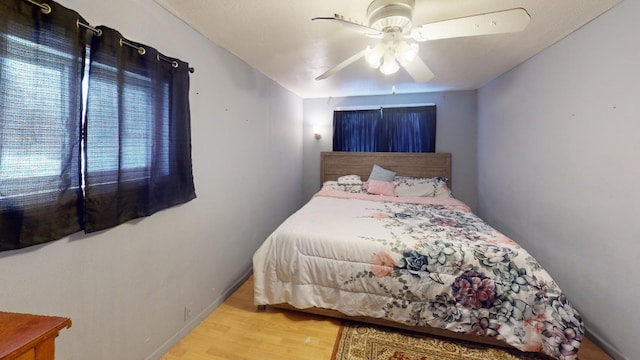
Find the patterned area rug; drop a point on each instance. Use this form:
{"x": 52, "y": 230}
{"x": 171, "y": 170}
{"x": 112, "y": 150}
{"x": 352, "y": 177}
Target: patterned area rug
{"x": 358, "y": 341}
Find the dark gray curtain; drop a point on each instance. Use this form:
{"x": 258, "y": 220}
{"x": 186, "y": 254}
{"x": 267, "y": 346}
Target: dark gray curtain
{"x": 41, "y": 67}
{"x": 410, "y": 129}
{"x": 407, "y": 129}
{"x": 358, "y": 130}
{"x": 138, "y": 136}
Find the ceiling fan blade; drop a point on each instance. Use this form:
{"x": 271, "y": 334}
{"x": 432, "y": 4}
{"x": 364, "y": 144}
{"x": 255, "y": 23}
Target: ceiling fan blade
{"x": 418, "y": 70}
{"x": 344, "y": 64}
{"x": 362, "y": 29}
{"x": 499, "y": 22}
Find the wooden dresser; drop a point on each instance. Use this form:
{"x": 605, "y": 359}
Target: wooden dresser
{"x": 29, "y": 337}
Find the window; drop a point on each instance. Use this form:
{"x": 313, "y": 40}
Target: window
{"x": 34, "y": 133}
{"x": 40, "y": 97}
{"x": 403, "y": 129}
{"x": 135, "y": 156}
{"x": 138, "y": 140}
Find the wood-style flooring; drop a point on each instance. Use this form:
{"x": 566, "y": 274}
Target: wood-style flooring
{"x": 237, "y": 331}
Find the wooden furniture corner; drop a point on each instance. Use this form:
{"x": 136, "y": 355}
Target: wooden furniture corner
{"x": 29, "y": 337}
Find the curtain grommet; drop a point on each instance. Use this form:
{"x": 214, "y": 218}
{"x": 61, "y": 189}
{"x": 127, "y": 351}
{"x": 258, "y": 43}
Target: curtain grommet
{"x": 45, "y": 8}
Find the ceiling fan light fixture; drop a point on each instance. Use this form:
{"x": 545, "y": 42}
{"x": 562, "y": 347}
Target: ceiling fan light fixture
{"x": 373, "y": 61}
{"x": 373, "y": 57}
{"x": 390, "y": 66}
{"x": 391, "y": 22}
{"x": 406, "y": 53}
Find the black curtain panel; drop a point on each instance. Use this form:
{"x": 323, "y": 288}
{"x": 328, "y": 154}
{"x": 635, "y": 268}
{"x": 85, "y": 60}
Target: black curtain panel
{"x": 138, "y": 136}
{"x": 41, "y": 66}
{"x": 404, "y": 129}
{"x": 358, "y": 130}
{"x": 411, "y": 129}
{"x": 130, "y": 156}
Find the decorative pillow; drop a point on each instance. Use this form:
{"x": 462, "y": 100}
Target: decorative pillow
{"x": 382, "y": 174}
{"x": 378, "y": 187}
{"x": 426, "y": 187}
{"x": 354, "y": 189}
{"x": 350, "y": 180}
{"x": 444, "y": 191}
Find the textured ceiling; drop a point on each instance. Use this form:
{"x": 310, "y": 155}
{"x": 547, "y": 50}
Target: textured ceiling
{"x": 278, "y": 38}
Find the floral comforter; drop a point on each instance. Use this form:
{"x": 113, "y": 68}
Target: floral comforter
{"x": 427, "y": 261}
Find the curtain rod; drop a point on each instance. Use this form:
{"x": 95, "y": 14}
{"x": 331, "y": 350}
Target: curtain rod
{"x": 98, "y": 32}
{"x": 377, "y": 107}
{"x": 46, "y": 9}
{"x": 142, "y": 51}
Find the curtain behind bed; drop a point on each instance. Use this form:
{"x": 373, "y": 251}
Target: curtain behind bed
{"x": 406, "y": 129}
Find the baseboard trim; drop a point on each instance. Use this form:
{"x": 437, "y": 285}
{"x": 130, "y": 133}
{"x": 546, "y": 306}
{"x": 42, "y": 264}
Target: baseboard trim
{"x": 605, "y": 346}
{"x": 190, "y": 325}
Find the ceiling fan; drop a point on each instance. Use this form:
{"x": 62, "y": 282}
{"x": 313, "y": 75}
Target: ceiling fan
{"x": 391, "y": 22}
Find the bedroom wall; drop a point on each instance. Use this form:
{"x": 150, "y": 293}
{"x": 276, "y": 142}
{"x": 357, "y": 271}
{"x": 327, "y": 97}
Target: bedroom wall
{"x": 126, "y": 288}
{"x": 455, "y": 133}
{"x": 558, "y": 170}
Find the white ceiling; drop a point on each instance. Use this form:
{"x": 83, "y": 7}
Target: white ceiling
{"x": 278, "y": 38}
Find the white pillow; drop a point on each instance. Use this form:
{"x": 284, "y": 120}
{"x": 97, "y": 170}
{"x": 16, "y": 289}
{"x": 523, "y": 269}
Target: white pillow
{"x": 350, "y": 180}
{"x": 353, "y": 188}
{"x": 426, "y": 187}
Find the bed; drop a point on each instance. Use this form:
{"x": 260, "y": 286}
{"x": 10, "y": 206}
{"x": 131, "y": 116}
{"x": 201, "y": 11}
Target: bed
{"x": 420, "y": 261}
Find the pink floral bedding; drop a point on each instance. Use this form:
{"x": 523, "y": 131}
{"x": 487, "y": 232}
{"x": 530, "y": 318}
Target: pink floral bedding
{"x": 428, "y": 261}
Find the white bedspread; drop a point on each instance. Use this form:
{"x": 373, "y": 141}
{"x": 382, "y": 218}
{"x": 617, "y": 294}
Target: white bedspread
{"x": 426, "y": 262}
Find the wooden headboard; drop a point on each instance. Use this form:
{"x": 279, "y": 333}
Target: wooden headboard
{"x": 338, "y": 163}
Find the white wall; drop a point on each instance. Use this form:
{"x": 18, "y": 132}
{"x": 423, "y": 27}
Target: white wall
{"x": 558, "y": 168}
{"x": 455, "y": 133}
{"x": 125, "y": 289}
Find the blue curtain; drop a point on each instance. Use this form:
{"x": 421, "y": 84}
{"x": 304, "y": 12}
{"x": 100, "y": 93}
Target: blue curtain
{"x": 411, "y": 129}
{"x": 41, "y": 59}
{"x": 136, "y": 144}
{"x": 358, "y": 130}
{"x": 138, "y": 141}
{"x": 408, "y": 129}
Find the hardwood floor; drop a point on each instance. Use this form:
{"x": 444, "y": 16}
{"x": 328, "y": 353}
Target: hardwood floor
{"x": 237, "y": 331}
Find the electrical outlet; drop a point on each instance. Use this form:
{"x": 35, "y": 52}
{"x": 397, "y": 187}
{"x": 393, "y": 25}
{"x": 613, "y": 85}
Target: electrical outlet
{"x": 187, "y": 313}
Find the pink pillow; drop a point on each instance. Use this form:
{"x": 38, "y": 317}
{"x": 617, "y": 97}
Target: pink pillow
{"x": 379, "y": 187}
